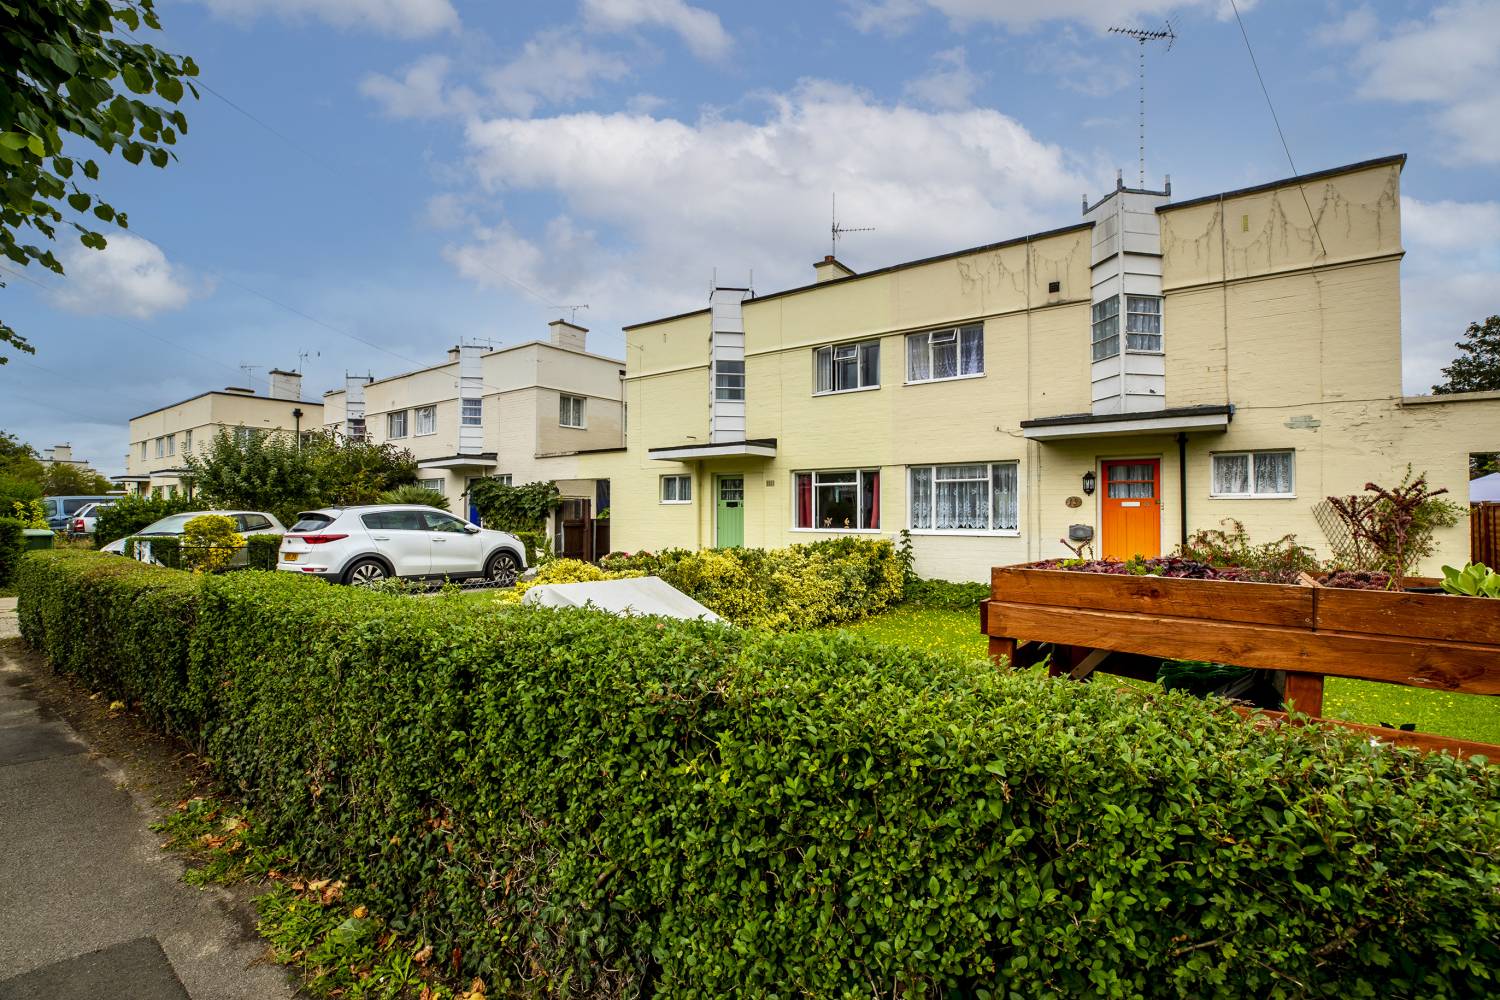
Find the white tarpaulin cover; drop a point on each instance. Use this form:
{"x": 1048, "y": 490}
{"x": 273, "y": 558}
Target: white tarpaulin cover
{"x": 1485, "y": 489}
{"x": 646, "y": 595}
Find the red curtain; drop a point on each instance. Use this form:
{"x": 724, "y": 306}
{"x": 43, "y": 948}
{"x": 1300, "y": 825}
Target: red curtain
{"x": 804, "y": 501}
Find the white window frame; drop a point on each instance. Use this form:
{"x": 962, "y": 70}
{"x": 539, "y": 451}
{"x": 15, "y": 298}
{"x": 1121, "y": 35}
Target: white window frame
{"x": 505, "y": 478}
{"x": 171, "y": 445}
{"x": 832, "y": 350}
{"x": 1161, "y": 323}
{"x": 390, "y": 424}
{"x": 471, "y": 411}
{"x": 729, "y": 386}
{"x": 431, "y": 485}
{"x": 989, "y": 479}
{"x": 187, "y": 442}
{"x": 144, "y": 447}
{"x": 161, "y": 447}
{"x": 859, "y": 472}
{"x": 562, "y": 408}
{"x": 430, "y": 415}
{"x": 1215, "y": 456}
{"x": 1096, "y": 320}
{"x": 955, "y": 334}
{"x": 682, "y": 482}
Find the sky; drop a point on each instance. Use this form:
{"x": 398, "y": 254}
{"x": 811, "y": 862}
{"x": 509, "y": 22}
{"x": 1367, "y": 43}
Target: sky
{"x": 367, "y": 182}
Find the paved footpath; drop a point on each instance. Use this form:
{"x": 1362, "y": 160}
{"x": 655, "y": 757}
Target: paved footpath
{"x": 90, "y": 906}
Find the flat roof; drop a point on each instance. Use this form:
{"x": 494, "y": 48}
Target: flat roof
{"x": 489, "y": 353}
{"x": 1396, "y": 159}
{"x": 234, "y": 395}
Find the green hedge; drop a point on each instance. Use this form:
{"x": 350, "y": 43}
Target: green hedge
{"x": 944, "y": 594}
{"x": 12, "y": 547}
{"x": 573, "y": 804}
{"x": 263, "y": 551}
{"x": 788, "y": 589}
{"x": 130, "y": 514}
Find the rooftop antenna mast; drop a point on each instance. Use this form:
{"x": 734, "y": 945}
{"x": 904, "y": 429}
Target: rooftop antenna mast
{"x": 1143, "y": 35}
{"x": 302, "y": 357}
{"x": 249, "y": 371}
{"x": 836, "y": 230}
{"x": 573, "y": 312}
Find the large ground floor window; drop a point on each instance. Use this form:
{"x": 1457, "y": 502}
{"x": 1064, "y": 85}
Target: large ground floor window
{"x": 977, "y": 497}
{"x": 846, "y": 500}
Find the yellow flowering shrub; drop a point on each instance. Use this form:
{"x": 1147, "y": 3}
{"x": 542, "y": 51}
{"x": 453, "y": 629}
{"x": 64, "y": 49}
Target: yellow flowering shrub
{"x": 209, "y": 543}
{"x": 563, "y": 571}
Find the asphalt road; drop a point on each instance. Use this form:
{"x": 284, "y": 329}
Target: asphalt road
{"x": 90, "y": 906}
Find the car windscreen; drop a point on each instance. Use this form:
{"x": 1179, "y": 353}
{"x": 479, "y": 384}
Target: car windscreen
{"x": 168, "y": 525}
{"x": 312, "y": 522}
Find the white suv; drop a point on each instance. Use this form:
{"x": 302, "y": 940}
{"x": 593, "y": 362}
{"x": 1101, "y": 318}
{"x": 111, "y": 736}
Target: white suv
{"x": 364, "y": 545}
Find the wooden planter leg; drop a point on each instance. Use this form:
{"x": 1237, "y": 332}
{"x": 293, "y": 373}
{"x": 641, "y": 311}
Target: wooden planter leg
{"x": 1306, "y": 691}
{"x": 1002, "y": 647}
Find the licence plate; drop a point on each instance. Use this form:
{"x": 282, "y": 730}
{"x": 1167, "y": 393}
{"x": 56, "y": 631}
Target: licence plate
{"x": 289, "y": 556}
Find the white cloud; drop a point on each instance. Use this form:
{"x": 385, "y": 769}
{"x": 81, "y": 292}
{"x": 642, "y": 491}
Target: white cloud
{"x": 401, "y": 18}
{"x": 646, "y": 222}
{"x": 699, "y": 29}
{"x": 1448, "y": 280}
{"x": 420, "y": 92}
{"x": 951, "y": 84}
{"x": 1448, "y": 60}
{"x": 893, "y": 16}
{"x": 129, "y": 277}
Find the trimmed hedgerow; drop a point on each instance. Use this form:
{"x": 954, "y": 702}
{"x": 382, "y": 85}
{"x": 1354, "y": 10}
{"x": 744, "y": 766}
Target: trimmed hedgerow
{"x": 572, "y": 804}
{"x": 263, "y": 551}
{"x": 945, "y": 594}
{"x": 780, "y": 590}
{"x": 12, "y": 547}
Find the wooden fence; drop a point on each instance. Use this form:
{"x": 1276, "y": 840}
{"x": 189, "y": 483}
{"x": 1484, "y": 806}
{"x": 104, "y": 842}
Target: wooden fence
{"x": 1484, "y": 533}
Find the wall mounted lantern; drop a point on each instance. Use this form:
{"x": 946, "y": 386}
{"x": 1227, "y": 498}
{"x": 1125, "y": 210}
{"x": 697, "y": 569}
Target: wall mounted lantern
{"x": 1088, "y": 483}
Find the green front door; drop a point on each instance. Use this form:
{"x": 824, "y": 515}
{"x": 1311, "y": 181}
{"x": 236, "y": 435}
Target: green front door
{"x": 731, "y": 528}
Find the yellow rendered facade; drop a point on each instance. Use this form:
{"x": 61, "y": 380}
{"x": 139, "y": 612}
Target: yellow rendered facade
{"x": 1294, "y": 325}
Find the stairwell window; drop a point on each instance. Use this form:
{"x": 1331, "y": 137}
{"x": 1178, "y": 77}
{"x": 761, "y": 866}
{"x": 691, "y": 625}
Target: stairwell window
{"x": 846, "y": 500}
{"x": 1143, "y": 323}
{"x": 395, "y": 424}
{"x": 846, "y": 367}
{"x": 1107, "y": 328}
{"x": 955, "y": 352}
{"x": 676, "y": 489}
{"x": 1245, "y": 475}
{"x": 974, "y": 498}
{"x": 426, "y": 420}
{"x": 471, "y": 412}
{"x": 570, "y": 411}
{"x": 729, "y": 381}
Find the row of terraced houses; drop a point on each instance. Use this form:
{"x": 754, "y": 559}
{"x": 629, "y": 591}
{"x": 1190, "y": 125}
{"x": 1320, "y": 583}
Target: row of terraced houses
{"x": 1157, "y": 368}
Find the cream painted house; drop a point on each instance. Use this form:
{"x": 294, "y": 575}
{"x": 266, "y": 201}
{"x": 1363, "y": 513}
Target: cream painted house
{"x": 525, "y": 413}
{"x": 1158, "y": 368}
{"x": 161, "y": 440}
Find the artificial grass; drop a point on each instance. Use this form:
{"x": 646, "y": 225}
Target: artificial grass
{"x": 1462, "y": 716}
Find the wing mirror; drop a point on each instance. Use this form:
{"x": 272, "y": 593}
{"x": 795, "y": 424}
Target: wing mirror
{"x": 472, "y": 529}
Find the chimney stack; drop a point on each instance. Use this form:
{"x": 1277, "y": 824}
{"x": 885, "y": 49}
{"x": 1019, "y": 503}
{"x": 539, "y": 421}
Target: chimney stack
{"x": 830, "y": 269}
{"x": 285, "y": 385}
{"x": 453, "y": 353}
{"x": 568, "y": 336}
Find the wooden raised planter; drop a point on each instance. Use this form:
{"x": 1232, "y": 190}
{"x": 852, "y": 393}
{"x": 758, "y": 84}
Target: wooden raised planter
{"x": 1418, "y": 640}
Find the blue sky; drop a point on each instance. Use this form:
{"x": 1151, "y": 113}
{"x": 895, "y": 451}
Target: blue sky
{"x": 380, "y": 178}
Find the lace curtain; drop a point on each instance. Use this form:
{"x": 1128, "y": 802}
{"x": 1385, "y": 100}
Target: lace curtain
{"x": 965, "y": 497}
{"x": 1273, "y": 472}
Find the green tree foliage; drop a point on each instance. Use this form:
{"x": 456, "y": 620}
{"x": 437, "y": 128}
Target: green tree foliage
{"x": 61, "y": 480}
{"x": 514, "y": 508}
{"x": 415, "y": 493}
{"x": 130, "y": 514}
{"x": 20, "y": 472}
{"x": 269, "y": 471}
{"x": 71, "y": 73}
{"x": 1477, "y": 367}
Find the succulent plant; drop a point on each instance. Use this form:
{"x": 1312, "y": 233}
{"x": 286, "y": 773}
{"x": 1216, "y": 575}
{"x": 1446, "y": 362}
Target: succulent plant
{"x": 1474, "y": 580}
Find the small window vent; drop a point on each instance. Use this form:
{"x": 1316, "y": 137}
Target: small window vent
{"x": 1053, "y": 287}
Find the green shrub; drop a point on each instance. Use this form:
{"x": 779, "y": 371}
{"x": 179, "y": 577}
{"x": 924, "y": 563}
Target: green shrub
{"x": 132, "y": 513}
{"x": 30, "y": 513}
{"x": 263, "y": 551}
{"x": 573, "y": 804}
{"x": 943, "y": 594}
{"x": 1280, "y": 561}
{"x": 783, "y": 590}
{"x": 209, "y": 543}
{"x": 415, "y": 493}
{"x": 12, "y": 547}
{"x": 165, "y": 550}
{"x": 562, "y": 571}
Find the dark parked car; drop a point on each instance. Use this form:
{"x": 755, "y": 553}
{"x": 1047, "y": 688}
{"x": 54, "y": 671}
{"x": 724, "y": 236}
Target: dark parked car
{"x": 60, "y": 510}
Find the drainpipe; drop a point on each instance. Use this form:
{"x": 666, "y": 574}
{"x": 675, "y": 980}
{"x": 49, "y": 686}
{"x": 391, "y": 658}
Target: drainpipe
{"x": 1182, "y": 476}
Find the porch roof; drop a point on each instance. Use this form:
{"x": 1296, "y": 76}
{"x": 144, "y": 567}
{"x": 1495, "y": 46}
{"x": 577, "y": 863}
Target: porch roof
{"x": 751, "y": 447}
{"x": 481, "y": 460}
{"x": 1211, "y": 417}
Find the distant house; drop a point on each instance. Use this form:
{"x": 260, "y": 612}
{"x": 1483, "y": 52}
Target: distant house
{"x": 161, "y": 440}
{"x": 523, "y": 413}
{"x": 1157, "y": 368}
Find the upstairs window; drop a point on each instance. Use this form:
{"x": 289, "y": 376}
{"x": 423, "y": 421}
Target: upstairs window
{"x": 171, "y": 444}
{"x": 570, "y": 411}
{"x": 676, "y": 489}
{"x": 1107, "y": 328}
{"x": 1143, "y": 323}
{"x": 161, "y": 447}
{"x": 729, "y": 381}
{"x": 143, "y": 451}
{"x": 395, "y": 424}
{"x": 845, "y": 367}
{"x": 187, "y": 442}
{"x": 1254, "y": 474}
{"x": 979, "y": 497}
{"x": 951, "y": 353}
{"x": 426, "y": 420}
{"x": 471, "y": 412}
{"x": 838, "y": 501}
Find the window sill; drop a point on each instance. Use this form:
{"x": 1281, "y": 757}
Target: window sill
{"x": 573, "y": 427}
{"x": 845, "y": 392}
{"x": 969, "y": 532}
{"x": 424, "y": 434}
{"x": 1151, "y": 354}
{"x": 1252, "y": 496}
{"x": 950, "y": 378}
{"x": 675, "y": 503}
{"x": 837, "y": 531}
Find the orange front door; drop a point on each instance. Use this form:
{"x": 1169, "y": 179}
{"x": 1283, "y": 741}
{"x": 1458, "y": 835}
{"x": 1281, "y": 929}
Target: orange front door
{"x": 1132, "y": 509}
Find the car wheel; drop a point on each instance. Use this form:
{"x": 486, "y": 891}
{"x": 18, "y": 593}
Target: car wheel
{"x": 365, "y": 573}
{"x": 502, "y": 568}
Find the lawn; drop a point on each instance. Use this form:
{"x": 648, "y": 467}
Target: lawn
{"x": 1464, "y": 716}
